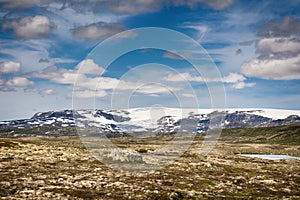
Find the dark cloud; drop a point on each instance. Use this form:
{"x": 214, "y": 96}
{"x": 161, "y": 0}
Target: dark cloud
{"x": 132, "y": 7}
{"x": 42, "y": 92}
{"x": 7, "y": 89}
{"x": 289, "y": 26}
{"x": 98, "y": 31}
{"x": 239, "y": 52}
{"x": 135, "y": 7}
{"x": 172, "y": 56}
{"x": 44, "y": 60}
{"x": 247, "y": 43}
{"x": 30, "y": 90}
{"x": 219, "y": 4}
{"x": 19, "y": 82}
{"x": 214, "y": 4}
{"x": 279, "y": 46}
{"x": 11, "y": 4}
{"x": 16, "y": 81}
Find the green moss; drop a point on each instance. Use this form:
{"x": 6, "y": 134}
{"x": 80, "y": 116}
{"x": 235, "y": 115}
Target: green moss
{"x": 142, "y": 150}
{"x": 9, "y": 144}
{"x": 288, "y": 134}
{"x": 81, "y": 193}
{"x": 207, "y": 182}
{"x": 6, "y": 159}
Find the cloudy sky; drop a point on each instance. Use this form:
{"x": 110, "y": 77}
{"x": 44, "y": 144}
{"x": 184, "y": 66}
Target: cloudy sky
{"x": 50, "y": 57}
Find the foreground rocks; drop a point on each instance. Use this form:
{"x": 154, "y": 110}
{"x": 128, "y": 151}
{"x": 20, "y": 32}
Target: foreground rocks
{"x": 61, "y": 168}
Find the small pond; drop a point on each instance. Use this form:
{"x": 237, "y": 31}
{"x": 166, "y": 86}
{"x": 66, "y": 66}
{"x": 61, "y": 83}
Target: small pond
{"x": 269, "y": 156}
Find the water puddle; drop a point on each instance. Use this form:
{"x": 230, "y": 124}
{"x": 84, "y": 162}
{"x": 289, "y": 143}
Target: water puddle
{"x": 269, "y": 156}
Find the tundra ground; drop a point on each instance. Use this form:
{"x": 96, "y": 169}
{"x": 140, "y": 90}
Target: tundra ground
{"x": 61, "y": 168}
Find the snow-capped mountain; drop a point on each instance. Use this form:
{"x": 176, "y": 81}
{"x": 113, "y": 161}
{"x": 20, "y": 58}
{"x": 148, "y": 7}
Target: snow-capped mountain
{"x": 157, "y": 119}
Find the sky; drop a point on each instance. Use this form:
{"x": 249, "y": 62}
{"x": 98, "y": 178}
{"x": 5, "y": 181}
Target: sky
{"x": 56, "y": 55}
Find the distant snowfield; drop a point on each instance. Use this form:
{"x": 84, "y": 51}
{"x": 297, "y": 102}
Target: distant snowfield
{"x": 270, "y": 113}
{"x": 178, "y": 113}
{"x": 147, "y": 117}
{"x": 155, "y": 113}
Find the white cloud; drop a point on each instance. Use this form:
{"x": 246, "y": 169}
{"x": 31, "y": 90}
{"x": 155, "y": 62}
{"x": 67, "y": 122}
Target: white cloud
{"x": 66, "y": 78}
{"x": 84, "y": 84}
{"x": 19, "y": 82}
{"x": 2, "y": 81}
{"x": 9, "y": 67}
{"x": 42, "y": 92}
{"x": 47, "y": 73}
{"x": 106, "y": 83}
{"x": 30, "y": 27}
{"x": 237, "y": 80}
{"x": 29, "y": 52}
{"x": 241, "y": 85}
{"x": 277, "y": 69}
{"x": 89, "y": 67}
{"x": 233, "y": 78}
{"x": 69, "y": 76}
{"x": 47, "y": 92}
{"x": 189, "y": 95}
{"x": 182, "y": 77}
{"x": 89, "y": 94}
{"x": 200, "y": 29}
{"x": 153, "y": 88}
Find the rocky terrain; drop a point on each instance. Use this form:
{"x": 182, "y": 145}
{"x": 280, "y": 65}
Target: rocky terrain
{"x": 61, "y": 168}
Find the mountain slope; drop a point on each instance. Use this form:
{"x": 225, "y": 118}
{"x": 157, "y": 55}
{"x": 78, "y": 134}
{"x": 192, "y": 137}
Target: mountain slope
{"x": 287, "y": 134}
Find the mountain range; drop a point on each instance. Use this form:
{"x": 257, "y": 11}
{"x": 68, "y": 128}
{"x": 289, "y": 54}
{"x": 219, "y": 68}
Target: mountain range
{"x": 156, "y": 119}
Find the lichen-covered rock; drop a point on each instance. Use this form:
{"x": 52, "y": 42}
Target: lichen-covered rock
{"x": 124, "y": 156}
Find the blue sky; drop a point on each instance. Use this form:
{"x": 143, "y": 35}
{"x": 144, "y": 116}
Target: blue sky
{"x": 46, "y": 48}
